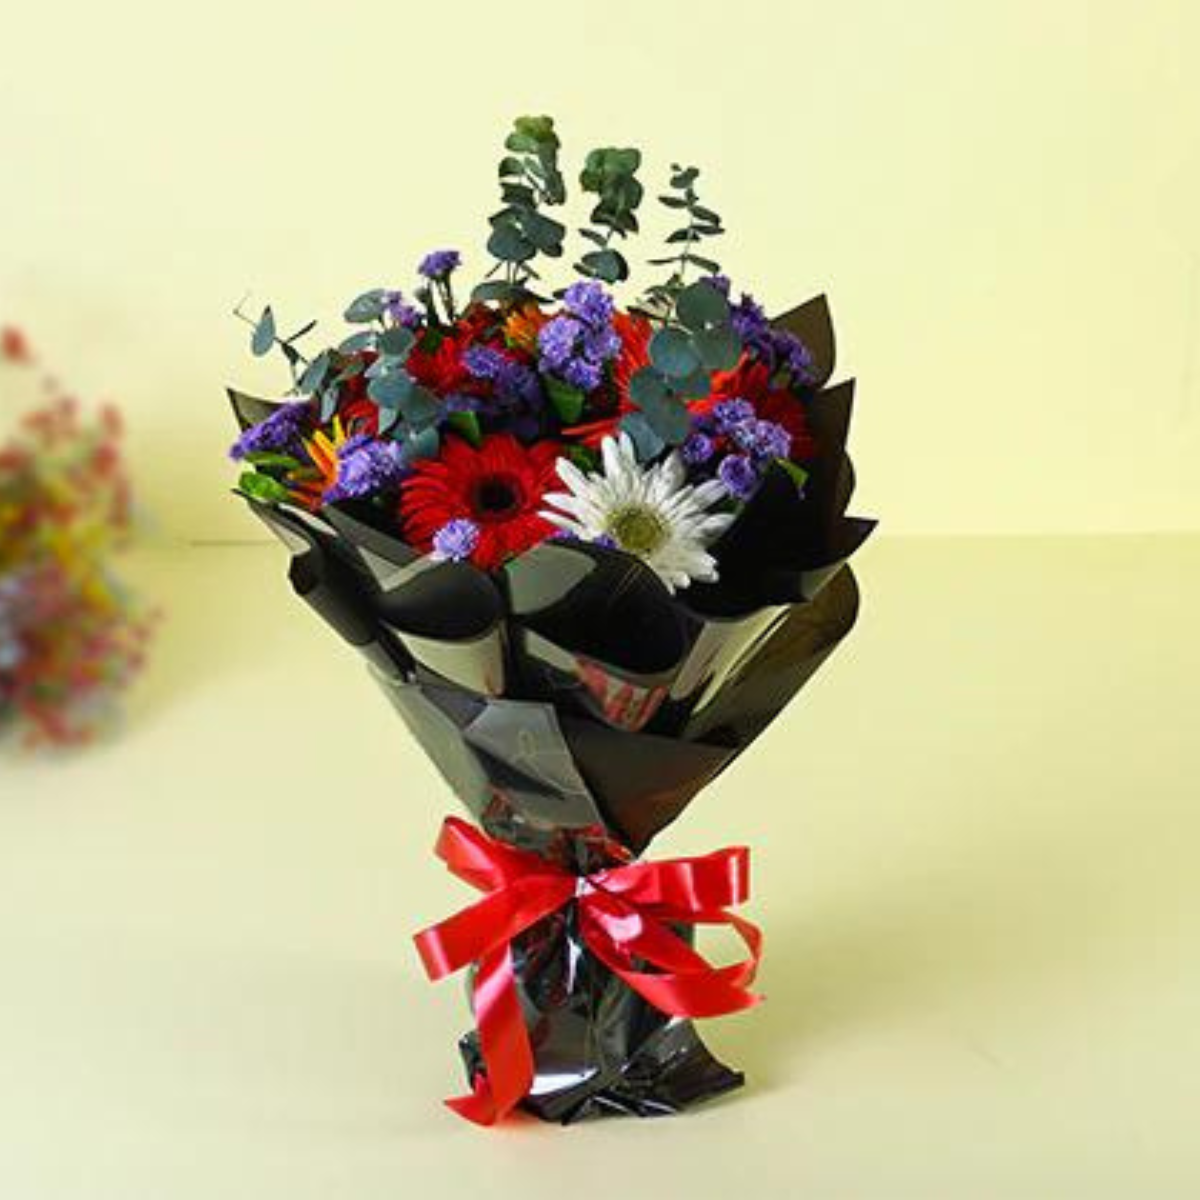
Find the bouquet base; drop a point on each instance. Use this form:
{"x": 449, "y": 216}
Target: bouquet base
{"x": 671, "y": 1071}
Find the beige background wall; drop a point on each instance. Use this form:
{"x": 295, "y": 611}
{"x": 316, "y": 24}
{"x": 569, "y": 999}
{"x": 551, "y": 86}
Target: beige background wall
{"x": 1002, "y": 199}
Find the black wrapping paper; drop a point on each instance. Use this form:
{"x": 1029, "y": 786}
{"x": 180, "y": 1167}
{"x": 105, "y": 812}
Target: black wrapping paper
{"x": 575, "y": 707}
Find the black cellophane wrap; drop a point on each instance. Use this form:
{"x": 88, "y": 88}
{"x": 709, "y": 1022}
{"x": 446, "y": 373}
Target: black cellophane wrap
{"x": 575, "y": 707}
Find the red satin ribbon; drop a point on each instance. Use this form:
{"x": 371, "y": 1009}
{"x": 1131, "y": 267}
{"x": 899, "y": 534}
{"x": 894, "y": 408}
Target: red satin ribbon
{"x": 625, "y": 915}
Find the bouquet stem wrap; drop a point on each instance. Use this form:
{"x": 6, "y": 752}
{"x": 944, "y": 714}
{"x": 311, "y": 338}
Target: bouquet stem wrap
{"x": 625, "y": 916}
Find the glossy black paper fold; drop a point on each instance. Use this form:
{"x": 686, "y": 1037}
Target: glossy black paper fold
{"x": 576, "y": 707}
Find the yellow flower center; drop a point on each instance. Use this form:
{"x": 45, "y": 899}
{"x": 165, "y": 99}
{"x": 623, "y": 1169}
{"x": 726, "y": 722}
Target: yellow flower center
{"x": 636, "y": 528}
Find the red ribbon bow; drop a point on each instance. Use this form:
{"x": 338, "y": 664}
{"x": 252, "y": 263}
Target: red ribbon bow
{"x": 625, "y": 914}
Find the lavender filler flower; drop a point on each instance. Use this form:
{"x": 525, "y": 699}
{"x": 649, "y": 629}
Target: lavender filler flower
{"x": 281, "y": 433}
{"x": 455, "y": 541}
{"x": 577, "y": 343}
{"x": 437, "y": 264}
{"x": 739, "y": 475}
{"x": 366, "y": 466}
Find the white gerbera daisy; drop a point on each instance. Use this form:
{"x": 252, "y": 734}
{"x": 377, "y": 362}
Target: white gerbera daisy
{"x": 647, "y": 511}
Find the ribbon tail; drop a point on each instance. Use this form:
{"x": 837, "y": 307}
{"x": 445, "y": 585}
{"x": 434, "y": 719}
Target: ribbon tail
{"x": 503, "y": 1043}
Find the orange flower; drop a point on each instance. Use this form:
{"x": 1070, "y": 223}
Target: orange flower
{"x": 308, "y": 485}
{"x": 521, "y": 327}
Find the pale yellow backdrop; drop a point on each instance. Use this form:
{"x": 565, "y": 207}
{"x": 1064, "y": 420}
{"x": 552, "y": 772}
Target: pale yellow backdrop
{"x": 1002, "y": 199}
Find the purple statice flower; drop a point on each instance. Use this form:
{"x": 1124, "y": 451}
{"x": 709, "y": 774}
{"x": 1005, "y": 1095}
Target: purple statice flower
{"x": 516, "y": 383}
{"x": 281, "y": 433}
{"x": 792, "y": 355}
{"x": 459, "y": 402}
{"x": 400, "y": 311}
{"x": 437, "y": 264}
{"x": 607, "y": 541}
{"x": 763, "y": 439}
{"x": 720, "y": 282}
{"x": 748, "y": 319}
{"x": 583, "y": 373}
{"x": 601, "y": 343}
{"x": 697, "y": 449}
{"x": 577, "y": 343}
{"x": 739, "y": 475}
{"x": 455, "y": 541}
{"x": 729, "y": 414}
{"x": 590, "y": 303}
{"x": 513, "y": 383}
{"x": 366, "y": 467}
{"x": 483, "y": 362}
{"x": 557, "y": 342}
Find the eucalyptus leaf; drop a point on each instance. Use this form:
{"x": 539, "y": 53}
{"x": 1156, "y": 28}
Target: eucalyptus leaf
{"x": 390, "y": 390}
{"x": 669, "y": 419}
{"x": 387, "y": 418}
{"x": 646, "y": 442}
{"x": 672, "y": 353}
{"x": 607, "y": 265}
{"x": 509, "y": 244}
{"x": 422, "y": 443}
{"x": 329, "y": 399}
{"x": 702, "y": 306}
{"x": 719, "y": 349}
{"x": 396, "y": 342}
{"x": 647, "y": 387}
{"x": 367, "y": 307}
{"x": 315, "y": 372}
{"x": 356, "y": 343}
{"x": 263, "y": 337}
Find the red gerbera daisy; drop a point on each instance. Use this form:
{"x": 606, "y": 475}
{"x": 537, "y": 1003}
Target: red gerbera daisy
{"x": 498, "y": 487}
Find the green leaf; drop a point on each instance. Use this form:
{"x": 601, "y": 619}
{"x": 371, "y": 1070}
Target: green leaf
{"x": 701, "y": 306}
{"x": 262, "y": 487}
{"x": 396, "y": 342}
{"x": 272, "y": 460}
{"x": 366, "y": 307}
{"x": 719, "y": 349}
{"x": 467, "y": 425}
{"x": 315, "y": 372}
{"x": 681, "y": 235}
{"x": 386, "y": 419}
{"x": 510, "y": 165}
{"x": 263, "y": 337}
{"x": 696, "y": 386}
{"x": 671, "y": 352}
{"x": 684, "y": 177}
{"x": 567, "y": 400}
{"x": 705, "y": 214}
{"x": 705, "y": 264}
{"x": 672, "y": 202}
{"x": 306, "y": 328}
{"x": 798, "y": 474}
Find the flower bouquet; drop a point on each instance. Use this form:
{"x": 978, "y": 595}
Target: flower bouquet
{"x": 70, "y": 634}
{"x": 589, "y": 553}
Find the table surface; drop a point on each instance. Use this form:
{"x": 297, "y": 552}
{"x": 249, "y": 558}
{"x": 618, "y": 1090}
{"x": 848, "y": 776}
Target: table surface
{"x": 974, "y": 842}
